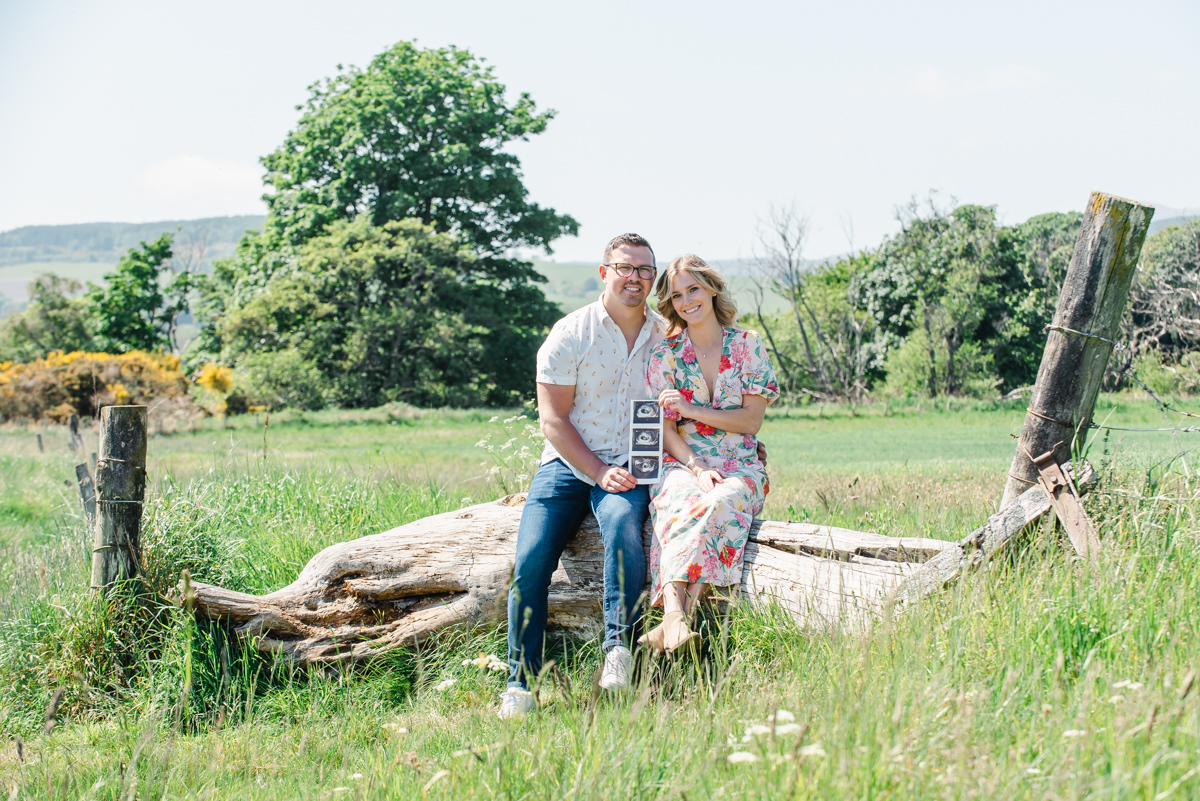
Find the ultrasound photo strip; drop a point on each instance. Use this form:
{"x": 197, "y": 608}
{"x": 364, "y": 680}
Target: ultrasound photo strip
{"x": 645, "y": 441}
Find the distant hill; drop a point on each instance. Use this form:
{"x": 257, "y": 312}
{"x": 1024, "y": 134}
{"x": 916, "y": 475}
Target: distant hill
{"x": 1158, "y": 225}
{"x": 106, "y": 242}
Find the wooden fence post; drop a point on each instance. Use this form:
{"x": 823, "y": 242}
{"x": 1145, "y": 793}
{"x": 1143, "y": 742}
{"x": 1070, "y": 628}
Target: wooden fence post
{"x": 120, "y": 491}
{"x": 87, "y": 495}
{"x": 41, "y": 447}
{"x": 1082, "y": 336}
{"x": 76, "y": 443}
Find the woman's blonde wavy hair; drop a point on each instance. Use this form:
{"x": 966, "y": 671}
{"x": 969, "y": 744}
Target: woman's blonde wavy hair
{"x": 706, "y": 276}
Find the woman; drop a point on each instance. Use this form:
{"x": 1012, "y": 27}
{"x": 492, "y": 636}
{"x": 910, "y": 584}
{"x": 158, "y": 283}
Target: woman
{"x": 716, "y": 381}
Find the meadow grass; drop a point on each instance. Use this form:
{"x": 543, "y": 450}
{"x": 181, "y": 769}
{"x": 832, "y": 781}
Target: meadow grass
{"x": 1043, "y": 677}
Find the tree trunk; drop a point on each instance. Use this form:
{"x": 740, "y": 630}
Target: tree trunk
{"x": 357, "y": 599}
{"x": 1080, "y": 342}
{"x": 120, "y": 490}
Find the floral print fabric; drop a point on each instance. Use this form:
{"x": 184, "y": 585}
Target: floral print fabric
{"x": 701, "y": 536}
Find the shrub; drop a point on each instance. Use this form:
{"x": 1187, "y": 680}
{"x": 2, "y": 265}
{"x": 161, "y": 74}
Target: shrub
{"x": 61, "y": 383}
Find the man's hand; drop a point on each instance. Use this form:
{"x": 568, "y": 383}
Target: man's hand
{"x": 673, "y": 400}
{"x": 616, "y": 479}
{"x": 762, "y": 453}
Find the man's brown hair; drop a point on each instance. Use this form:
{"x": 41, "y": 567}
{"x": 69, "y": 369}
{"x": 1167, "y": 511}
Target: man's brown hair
{"x": 626, "y": 240}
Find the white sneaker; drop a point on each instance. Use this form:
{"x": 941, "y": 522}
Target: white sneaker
{"x": 516, "y": 703}
{"x": 615, "y": 675}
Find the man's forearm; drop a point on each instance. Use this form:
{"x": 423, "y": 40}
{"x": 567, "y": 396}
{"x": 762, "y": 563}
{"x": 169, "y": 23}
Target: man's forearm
{"x": 571, "y": 447}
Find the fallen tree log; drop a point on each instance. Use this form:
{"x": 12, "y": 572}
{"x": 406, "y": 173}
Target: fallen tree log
{"x": 357, "y": 599}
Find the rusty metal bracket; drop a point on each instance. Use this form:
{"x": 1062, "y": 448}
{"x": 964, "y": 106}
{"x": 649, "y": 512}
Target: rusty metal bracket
{"x": 1064, "y": 497}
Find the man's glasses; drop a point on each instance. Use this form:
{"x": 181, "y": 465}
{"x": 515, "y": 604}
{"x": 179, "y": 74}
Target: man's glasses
{"x": 626, "y": 270}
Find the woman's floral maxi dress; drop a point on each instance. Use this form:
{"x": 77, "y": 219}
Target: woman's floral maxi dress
{"x": 700, "y": 536}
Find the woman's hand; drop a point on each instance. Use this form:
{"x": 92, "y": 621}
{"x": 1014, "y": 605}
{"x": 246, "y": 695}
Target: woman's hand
{"x": 710, "y": 477}
{"x": 673, "y": 400}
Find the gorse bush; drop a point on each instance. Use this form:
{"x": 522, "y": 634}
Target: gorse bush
{"x": 54, "y": 387}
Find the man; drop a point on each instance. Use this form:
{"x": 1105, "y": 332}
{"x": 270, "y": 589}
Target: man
{"x": 589, "y": 368}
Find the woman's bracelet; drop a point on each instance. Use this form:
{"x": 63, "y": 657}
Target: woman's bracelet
{"x": 689, "y": 462}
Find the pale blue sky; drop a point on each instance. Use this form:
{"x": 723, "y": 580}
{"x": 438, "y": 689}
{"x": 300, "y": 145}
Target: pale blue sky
{"x": 682, "y": 121}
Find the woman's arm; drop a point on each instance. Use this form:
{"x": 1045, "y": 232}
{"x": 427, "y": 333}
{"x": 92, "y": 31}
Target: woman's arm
{"x": 746, "y": 420}
{"x": 674, "y": 445}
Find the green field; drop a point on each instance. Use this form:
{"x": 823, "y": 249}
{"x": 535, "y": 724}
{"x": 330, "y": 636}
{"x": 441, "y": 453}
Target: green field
{"x": 1041, "y": 678}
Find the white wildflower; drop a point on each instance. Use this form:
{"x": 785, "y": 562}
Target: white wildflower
{"x": 1116, "y": 699}
{"x": 357, "y": 776}
{"x": 757, "y": 729}
{"x": 494, "y": 418}
{"x": 1132, "y": 685}
{"x": 395, "y": 729}
{"x": 742, "y": 756}
{"x": 445, "y": 684}
{"x": 814, "y": 750}
{"x": 486, "y": 662}
{"x": 482, "y": 443}
{"x": 781, "y": 716}
{"x": 787, "y": 728}
{"x": 1075, "y": 733}
{"x": 1033, "y": 771}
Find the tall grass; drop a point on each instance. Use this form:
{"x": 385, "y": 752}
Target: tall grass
{"x": 1042, "y": 677}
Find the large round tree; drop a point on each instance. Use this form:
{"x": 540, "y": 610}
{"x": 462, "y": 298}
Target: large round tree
{"x": 420, "y": 135}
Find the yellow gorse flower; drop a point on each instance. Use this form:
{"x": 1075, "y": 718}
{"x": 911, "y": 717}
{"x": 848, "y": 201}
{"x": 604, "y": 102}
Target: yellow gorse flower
{"x": 215, "y": 377}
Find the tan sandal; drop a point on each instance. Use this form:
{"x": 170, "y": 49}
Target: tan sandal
{"x": 653, "y": 639}
{"x": 676, "y": 633}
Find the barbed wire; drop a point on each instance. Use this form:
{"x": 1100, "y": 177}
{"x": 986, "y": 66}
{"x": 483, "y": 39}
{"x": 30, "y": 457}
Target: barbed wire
{"x": 1163, "y": 406}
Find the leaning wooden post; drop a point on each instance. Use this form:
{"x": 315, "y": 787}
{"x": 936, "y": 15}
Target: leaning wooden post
{"x": 120, "y": 491}
{"x": 1081, "y": 337}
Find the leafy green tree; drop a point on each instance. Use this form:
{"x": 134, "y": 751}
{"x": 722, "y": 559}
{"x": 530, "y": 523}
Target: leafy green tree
{"x": 1045, "y": 244}
{"x": 949, "y": 274}
{"x": 420, "y": 135}
{"x": 1165, "y": 297}
{"x": 54, "y": 320}
{"x": 382, "y": 313}
{"x": 134, "y": 311}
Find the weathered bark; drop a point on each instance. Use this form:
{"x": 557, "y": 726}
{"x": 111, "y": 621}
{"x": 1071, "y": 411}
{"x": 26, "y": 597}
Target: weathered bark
{"x": 988, "y": 541}
{"x": 1079, "y": 344}
{"x": 120, "y": 490}
{"x": 357, "y": 599}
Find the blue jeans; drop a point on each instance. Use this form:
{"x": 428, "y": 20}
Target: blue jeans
{"x": 554, "y": 508}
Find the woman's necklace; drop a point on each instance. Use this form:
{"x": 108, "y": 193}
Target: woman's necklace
{"x": 711, "y": 352}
